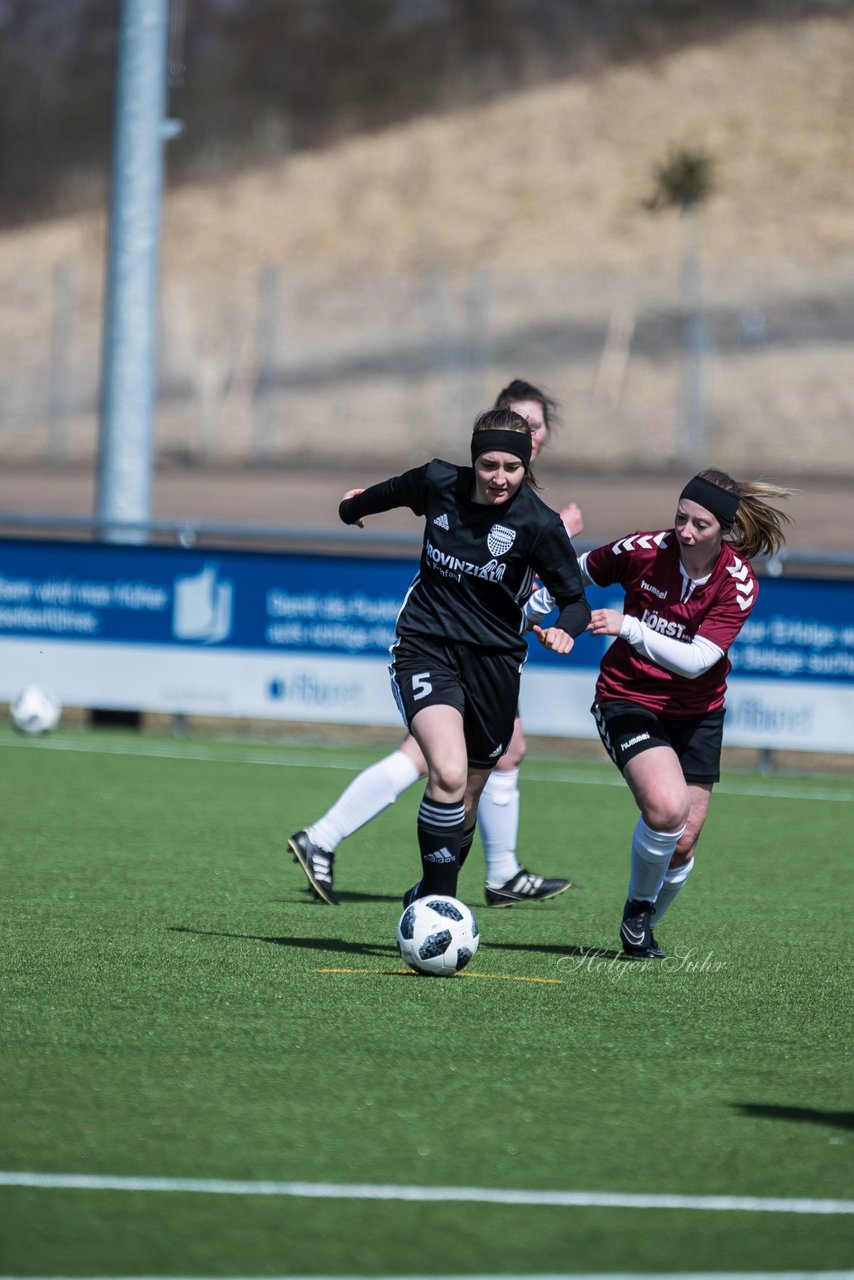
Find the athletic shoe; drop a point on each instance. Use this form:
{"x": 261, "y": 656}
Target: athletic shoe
{"x": 317, "y": 864}
{"x": 411, "y": 894}
{"x": 636, "y": 931}
{"x": 525, "y": 887}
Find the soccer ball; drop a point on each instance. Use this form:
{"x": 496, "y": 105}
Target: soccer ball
{"x": 437, "y": 935}
{"x": 35, "y": 710}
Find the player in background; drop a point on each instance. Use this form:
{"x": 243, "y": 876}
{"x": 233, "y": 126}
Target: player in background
{"x": 661, "y": 689}
{"x": 460, "y": 642}
{"x": 378, "y": 786}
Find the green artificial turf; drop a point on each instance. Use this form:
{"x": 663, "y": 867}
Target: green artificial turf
{"x": 175, "y": 1004}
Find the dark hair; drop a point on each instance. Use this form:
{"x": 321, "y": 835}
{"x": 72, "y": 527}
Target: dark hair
{"x": 503, "y": 418}
{"x": 757, "y": 526}
{"x": 519, "y": 390}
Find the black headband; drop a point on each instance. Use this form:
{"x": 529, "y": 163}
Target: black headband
{"x": 497, "y": 441}
{"x": 722, "y": 504}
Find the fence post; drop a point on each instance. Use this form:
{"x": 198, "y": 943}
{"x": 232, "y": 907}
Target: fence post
{"x": 477, "y": 332}
{"x": 60, "y": 362}
{"x": 694, "y": 442}
{"x": 267, "y": 369}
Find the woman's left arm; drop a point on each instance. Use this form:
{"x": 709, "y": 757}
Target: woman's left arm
{"x": 400, "y": 491}
{"x": 684, "y": 658}
{"x": 556, "y": 564}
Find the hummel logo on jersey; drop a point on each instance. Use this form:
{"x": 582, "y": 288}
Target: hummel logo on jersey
{"x": 439, "y": 855}
{"x": 744, "y": 584}
{"x": 632, "y": 742}
{"x": 441, "y": 522}
{"x": 500, "y": 539}
{"x": 646, "y": 541}
{"x": 656, "y": 591}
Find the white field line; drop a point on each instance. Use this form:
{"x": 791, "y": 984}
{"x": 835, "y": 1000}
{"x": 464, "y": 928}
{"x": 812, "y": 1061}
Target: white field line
{"x": 380, "y": 1191}
{"x": 284, "y": 759}
{"x": 575, "y": 1275}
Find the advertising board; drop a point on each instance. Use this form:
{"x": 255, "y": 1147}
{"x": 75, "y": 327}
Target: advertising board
{"x": 306, "y": 637}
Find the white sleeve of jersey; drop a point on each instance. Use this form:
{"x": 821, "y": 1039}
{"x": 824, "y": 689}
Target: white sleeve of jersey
{"x": 585, "y": 576}
{"x": 689, "y": 660}
{"x": 538, "y": 606}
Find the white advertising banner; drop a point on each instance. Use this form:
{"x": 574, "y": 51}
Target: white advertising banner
{"x": 215, "y": 683}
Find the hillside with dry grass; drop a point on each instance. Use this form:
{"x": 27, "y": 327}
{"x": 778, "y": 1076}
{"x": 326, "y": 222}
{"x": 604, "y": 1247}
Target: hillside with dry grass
{"x": 548, "y": 190}
{"x": 557, "y": 175}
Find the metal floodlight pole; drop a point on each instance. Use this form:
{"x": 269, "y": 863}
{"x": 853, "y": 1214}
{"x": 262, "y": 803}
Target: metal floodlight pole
{"x": 128, "y": 379}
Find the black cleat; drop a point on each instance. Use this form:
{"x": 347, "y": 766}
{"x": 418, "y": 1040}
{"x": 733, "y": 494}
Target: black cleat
{"x": 636, "y": 931}
{"x": 317, "y": 864}
{"x": 525, "y": 887}
{"x": 411, "y": 894}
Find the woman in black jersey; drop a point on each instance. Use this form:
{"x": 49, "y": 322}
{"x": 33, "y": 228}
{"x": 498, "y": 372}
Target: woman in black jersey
{"x": 460, "y": 638}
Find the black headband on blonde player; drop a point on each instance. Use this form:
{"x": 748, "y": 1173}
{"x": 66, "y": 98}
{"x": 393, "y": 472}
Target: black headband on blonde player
{"x": 721, "y": 502}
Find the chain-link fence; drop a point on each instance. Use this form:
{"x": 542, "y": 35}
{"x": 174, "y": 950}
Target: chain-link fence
{"x": 302, "y": 366}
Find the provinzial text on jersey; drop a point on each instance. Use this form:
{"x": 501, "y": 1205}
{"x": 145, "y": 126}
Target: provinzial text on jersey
{"x": 452, "y": 567}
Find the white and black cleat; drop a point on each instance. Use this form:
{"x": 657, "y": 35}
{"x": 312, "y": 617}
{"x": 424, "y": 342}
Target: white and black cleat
{"x": 525, "y": 887}
{"x": 317, "y": 864}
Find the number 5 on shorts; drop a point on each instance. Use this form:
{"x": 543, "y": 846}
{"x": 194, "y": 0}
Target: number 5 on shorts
{"x": 421, "y": 685}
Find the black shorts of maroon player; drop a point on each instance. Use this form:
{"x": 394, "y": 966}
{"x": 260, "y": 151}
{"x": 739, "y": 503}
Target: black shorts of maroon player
{"x": 482, "y": 684}
{"x": 627, "y": 729}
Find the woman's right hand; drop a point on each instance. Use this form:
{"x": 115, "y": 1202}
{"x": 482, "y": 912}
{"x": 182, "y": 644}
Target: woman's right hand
{"x": 354, "y": 493}
{"x": 554, "y": 638}
{"x": 572, "y": 518}
{"x": 605, "y": 622}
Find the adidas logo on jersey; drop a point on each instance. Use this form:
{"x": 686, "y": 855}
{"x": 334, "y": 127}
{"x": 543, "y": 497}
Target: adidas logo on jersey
{"x": 497, "y": 753}
{"x": 441, "y": 522}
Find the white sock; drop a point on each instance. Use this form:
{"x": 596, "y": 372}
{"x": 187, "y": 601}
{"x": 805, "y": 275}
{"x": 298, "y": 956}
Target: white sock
{"x": 373, "y": 790}
{"x": 651, "y": 854}
{"x": 498, "y": 820}
{"x": 673, "y": 882}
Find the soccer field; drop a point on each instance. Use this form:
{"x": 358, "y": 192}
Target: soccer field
{"x": 208, "y": 1073}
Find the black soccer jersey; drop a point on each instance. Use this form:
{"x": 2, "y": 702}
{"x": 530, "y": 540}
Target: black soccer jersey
{"x": 477, "y": 561}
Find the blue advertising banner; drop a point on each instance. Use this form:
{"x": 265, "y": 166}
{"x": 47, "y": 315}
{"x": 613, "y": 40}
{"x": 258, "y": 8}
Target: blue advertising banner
{"x": 799, "y": 628}
{"x": 166, "y": 595}
{"x": 306, "y": 637}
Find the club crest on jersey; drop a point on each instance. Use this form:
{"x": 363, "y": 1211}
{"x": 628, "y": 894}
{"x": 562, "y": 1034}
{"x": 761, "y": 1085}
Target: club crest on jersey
{"x": 500, "y": 539}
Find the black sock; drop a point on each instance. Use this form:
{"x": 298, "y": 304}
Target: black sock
{"x": 467, "y": 842}
{"x": 440, "y": 832}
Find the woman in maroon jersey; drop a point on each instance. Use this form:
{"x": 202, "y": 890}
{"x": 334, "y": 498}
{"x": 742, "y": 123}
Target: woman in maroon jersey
{"x": 660, "y": 693}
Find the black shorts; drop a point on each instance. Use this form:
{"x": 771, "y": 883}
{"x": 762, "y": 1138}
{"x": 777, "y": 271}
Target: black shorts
{"x": 483, "y": 685}
{"x": 627, "y": 729}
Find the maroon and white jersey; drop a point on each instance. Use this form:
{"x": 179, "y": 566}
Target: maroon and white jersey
{"x": 666, "y": 600}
